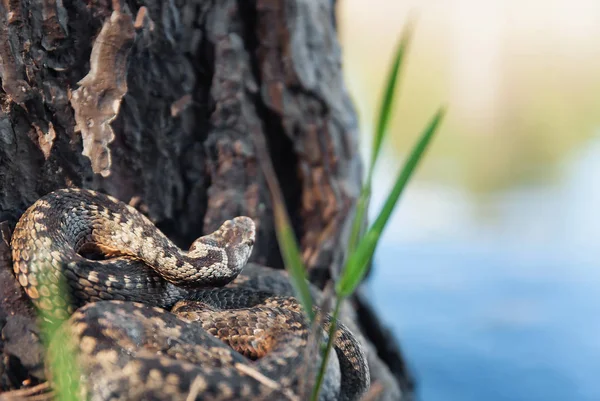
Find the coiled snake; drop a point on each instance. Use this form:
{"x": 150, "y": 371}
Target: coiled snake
{"x": 155, "y": 322}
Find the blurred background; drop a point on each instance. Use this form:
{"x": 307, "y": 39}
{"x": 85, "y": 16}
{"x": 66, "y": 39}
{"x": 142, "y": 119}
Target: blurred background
{"x": 489, "y": 271}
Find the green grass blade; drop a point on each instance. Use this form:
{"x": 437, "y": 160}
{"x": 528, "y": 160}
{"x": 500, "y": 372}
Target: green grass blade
{"x": 64, "y": 369}
{"x": 290, "y": 251}
{"x": 358, "y": 261}
{"x": 359, "y": 215}
{"x": 385, "y": 111}
{"x": 288, "y": 245}
{"x": 332, "y": 331}
{"x": 60, "y": 348}
{"x": 387, "y": 102}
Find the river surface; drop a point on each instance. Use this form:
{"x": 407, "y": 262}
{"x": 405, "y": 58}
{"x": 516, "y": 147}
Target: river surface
{"x": 497, "y": 298}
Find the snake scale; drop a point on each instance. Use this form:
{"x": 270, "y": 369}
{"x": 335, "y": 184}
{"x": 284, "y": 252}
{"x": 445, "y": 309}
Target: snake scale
{"x": 152, "y": 322}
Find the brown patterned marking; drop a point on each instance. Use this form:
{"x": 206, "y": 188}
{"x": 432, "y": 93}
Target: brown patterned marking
{"x": 109, "y": 357}
{"x": 225, "y": 390}
{"x": 84, "y": 282}
{"x": 172, "y": 379}
{"x": 246, "y": 390}
{"x": 32, "y": 292}
{"x": 78, "y": 328}
{"x": 32, "y": 280}
{"x": 132, "y": 369}
{"x": 155, "y": 379}
{"x": 87, "y": 344}
{"x": 198, "y": 386}
{"x": 24, "y": 255}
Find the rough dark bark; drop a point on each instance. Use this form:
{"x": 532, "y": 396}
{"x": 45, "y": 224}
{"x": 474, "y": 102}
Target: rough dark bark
{"x": 157, "y": 103}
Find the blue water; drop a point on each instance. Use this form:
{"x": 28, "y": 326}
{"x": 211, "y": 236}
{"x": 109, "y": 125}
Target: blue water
{"x": 501, "y": 300}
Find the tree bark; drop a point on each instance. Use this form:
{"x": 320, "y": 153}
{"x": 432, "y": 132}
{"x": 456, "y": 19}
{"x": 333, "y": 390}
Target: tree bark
{"x": 157, "y": 103}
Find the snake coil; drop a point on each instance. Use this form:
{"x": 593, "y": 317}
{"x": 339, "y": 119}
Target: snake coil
{"x": 151, "y": 322}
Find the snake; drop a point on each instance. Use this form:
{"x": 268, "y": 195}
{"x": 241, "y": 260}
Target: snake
{"x": 150, "y": 321}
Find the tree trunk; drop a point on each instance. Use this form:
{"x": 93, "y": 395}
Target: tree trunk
{"x": 158, "y": 105}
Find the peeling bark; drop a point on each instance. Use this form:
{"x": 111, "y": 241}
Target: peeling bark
{"x": 168, "y": 103}
{"x": 97, "y": 100}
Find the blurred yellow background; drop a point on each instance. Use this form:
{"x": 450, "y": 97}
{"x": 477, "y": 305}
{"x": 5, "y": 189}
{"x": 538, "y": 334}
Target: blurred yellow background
{"x": 521, "y": 78}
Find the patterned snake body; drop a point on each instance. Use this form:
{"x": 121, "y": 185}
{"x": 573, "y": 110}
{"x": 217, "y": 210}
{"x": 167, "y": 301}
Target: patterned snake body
{"x": 155, "y": 322}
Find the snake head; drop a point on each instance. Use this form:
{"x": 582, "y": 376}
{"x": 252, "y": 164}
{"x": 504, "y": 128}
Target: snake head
{"x": 235, "y": 238}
